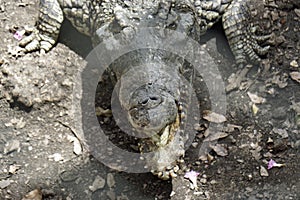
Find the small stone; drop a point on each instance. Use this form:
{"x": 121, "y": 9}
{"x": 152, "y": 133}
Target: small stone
{"x": 110, "y": 180}
{"x": 4, "y": 183}
{"x": 20, "y": 124}
{"x": 263, "y": 171}
{"x": 172, "y": 193}
{"x": 294, "y": 63}
{"x": 11, "y": 146}
{"x": 203, "y": 180}
{"x": 98, "y": 183}
{"x": 213, "y": 117}
{"x": 56, "y": 157}
{"x": 13, "y": 168}
{"x": 195, "y": 144}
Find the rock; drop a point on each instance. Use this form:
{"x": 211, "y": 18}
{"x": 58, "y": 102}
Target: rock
{"x": 263, "y": 171}
{"x": 11, "y": 146}
{"x": 110, "y": 180}
{"x": 56, "y": 157}
{"x": 111, "y": 194}
{"x": 98, "y": 183}
{"x": 279, "y": 113}
{"x": 4, "y": 183}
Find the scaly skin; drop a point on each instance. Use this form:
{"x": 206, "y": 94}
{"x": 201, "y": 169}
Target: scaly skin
{"x": 155, "y": 107}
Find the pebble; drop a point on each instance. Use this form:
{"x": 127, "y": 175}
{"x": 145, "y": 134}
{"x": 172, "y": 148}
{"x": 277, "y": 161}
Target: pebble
{"x": 294, "y": 63}
{"x": 4, "y": 183}
{"x": 98, "y": 183}
{"x": 110, "y": 180}
{"x": 56, "y": 157}
{"x": 263, "y": 171}
{"x": 11, "y": 146}
{"x": 203, "y": 180}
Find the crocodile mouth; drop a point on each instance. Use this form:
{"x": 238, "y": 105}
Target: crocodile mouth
{"x": 165, "y": 136}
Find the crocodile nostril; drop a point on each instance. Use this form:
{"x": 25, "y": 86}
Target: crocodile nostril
{"x": 144, "y": 102}
{"x": 154, "y": 98}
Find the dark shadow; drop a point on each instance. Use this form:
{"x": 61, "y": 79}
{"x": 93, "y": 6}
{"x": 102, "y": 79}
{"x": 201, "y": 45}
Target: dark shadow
{"x": 76, "y": 41}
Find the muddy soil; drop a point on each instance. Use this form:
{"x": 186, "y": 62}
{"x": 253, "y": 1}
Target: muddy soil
{"x": 39, "y": 144}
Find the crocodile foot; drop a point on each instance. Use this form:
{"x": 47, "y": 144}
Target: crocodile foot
{"x": 243, "y": 40}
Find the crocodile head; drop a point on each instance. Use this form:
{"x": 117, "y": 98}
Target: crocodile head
{"x": 153, "y": 111}
{"x": 150, "y": 95}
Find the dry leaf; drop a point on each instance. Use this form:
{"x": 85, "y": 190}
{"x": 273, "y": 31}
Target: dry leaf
{"x": 254, "y": 109}
{"x": 103, "y": 112}
{"x": 33, "y": 195}
{"x": 213, "y": 117}
{"x": 256, "y": 99}
{"x": 220, "y": 150}
{"x": 295, "y": 76}
{"x": 214, "y": 136}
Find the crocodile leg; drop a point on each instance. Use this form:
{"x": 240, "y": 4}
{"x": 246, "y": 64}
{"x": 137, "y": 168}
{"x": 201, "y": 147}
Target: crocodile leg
{"x": 241, "y": 37}
{"x": 45, "y": 35}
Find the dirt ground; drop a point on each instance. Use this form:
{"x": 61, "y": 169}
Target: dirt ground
{"x": 37, "y": 135}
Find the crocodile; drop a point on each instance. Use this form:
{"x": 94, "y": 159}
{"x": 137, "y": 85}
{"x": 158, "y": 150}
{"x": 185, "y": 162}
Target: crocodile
{"x": 153, "y": 108}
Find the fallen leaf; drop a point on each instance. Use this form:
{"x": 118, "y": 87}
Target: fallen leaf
{"x": 231, "y": 127}
{"x": 220, "y": 150}
{"x": 295, "y": 76}
{"x": 33, "y": 195}
{"x": 256, "y": 99}
{"x": 213, "y": 117}
{"x": 103, "y": 112}
{"x": 281, "y": 81}
{"x": 214, "y": 136}
{"x": 254, "y": 109}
